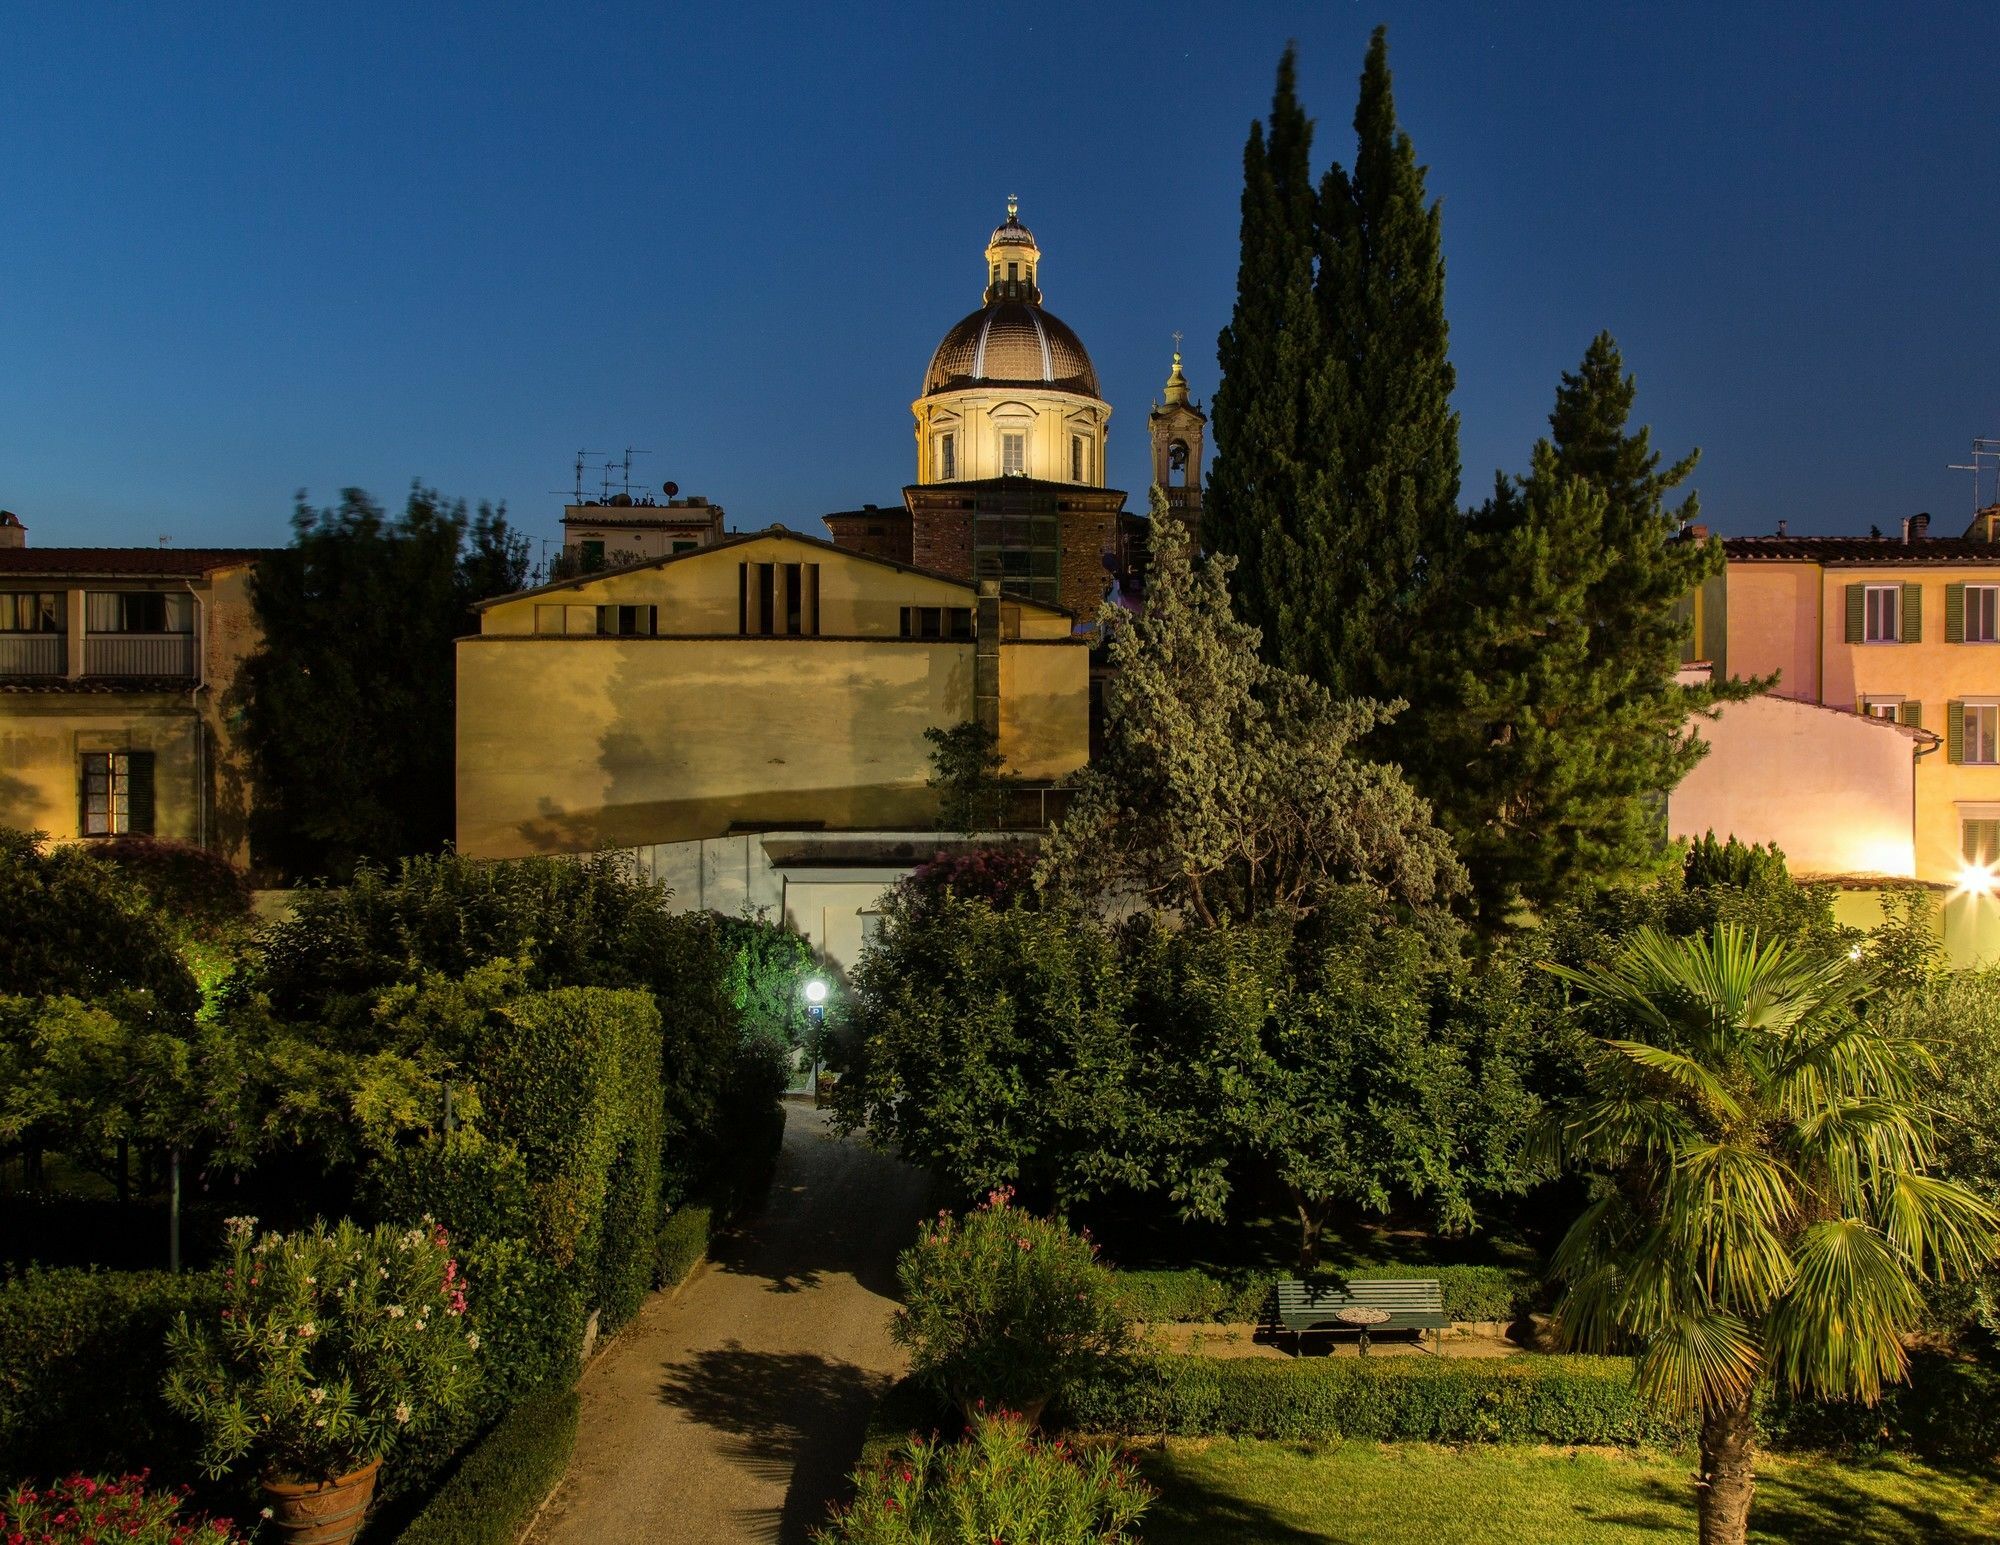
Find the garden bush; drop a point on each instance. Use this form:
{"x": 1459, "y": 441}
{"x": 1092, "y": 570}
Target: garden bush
{"x": 197, "y": 889}
{"x": 503, "y": 1478}
{"x": 1003, "y": 1308}
{"x": 82, "y": 1356}
{"x": 85, "y": 1509}
{"x": 998, "y": 1484}
{"x": 1389, "y": 1399}
{"x": 1471, "y": 1293}
{"x": 683, "y": 1243}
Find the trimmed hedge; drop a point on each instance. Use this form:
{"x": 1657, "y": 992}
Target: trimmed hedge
{"x": 82, "y": 1355}
{"x": 683, "y": 1242}
{"x": 1192, "y": 1295}
{"x": 1949, "y": 1412}
{"x": 503, "y": 1478}
{"x": 1421, "y": 1400}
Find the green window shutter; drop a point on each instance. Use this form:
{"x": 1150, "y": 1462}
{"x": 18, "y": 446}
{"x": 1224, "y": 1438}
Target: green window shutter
{"x": 139, "y": 793}
{"x": 1981, "y": 840}
{"x": 1954, "y": 732}
{"x": 1911, "y": 714}
{"x": 1954, "y": 614}
{"x": 1913, "y": 614}
{"x": 1857, "y": 599}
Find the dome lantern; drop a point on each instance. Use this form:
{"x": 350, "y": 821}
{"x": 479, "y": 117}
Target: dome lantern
{"x": 1012, "y": 260}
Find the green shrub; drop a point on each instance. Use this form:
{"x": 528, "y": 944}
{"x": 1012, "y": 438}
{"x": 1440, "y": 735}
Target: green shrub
{"x": 1390, "y": 1399}
{"x": 199, "y": 890}
{"x": 82, "y": 1356}
{"x": 1948, "y": 1411}
{"x": 683, "y": 1243}
{"x": 908, "y": 1410}
{"x": 997, "y": 1484}
{"x": 1004, "y": 1308}
{"x": 1476, "y": 1293}
{"x": 503, "y": 1478}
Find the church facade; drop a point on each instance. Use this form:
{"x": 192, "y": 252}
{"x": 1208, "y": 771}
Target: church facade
{"x": 1011, "y": 431}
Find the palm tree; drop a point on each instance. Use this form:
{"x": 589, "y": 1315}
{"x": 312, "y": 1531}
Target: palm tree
{"x": 1760, "y": 1208}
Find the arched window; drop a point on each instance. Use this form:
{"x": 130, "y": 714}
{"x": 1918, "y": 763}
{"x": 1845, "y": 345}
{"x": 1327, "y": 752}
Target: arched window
{"x": 1177, "y": 464}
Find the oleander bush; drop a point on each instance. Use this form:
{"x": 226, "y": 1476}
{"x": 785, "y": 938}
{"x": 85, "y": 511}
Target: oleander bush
{"x": 1389, "y": 1399}
{"x": 1471, "y": 1293}
{"x": 1004, "y": 1308}
{"x": 503, "y": 1478}
{"x": 998, "y": 1484}
{"x": 125, "y": 1509}
{"x": 82, "y": 1357}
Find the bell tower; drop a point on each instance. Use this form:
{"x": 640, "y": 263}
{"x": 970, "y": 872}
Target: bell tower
{"x": 1178, "y": 426}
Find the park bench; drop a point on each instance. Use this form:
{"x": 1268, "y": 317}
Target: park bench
{"x": 1404, "y": 1303}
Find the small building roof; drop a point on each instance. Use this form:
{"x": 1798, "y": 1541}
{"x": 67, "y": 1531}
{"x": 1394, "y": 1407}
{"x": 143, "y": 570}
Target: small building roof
{"x": 123, "y": 562}
{"x": 1860, "y": 551}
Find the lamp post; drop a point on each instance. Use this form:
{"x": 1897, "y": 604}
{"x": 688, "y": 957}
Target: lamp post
{"x": 815, "y": 995}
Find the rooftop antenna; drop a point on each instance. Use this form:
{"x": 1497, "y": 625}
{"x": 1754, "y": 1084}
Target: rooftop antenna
{"x": 1985, "y": 453}
{"x": 627, "y": 465}
{"x": 576, "y": 493}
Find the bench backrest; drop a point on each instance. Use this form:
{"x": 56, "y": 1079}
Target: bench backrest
{"x": 1403, "y": 1295}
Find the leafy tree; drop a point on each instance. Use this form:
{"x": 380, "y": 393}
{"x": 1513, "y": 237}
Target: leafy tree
{"x": 1560, "y": 727}
{"x": 1230, "y": 787}
{"x": 1335, "y": 480}
{"x": 966, "y": 772}
{"x": 1762, "y": 1209}
{"x": 347, "y": 703}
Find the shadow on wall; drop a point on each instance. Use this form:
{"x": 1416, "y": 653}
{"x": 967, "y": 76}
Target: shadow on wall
{"x": 22, "y": 805}
{"x": 789, "y": 1414}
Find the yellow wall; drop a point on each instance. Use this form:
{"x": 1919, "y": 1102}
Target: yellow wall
{"x": 1772, "y": 623}
{"x": 977, "y": 416}
{"x": 576, "y": 743}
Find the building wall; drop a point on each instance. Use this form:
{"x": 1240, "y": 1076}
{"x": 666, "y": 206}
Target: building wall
{"x": 44, "y": 736}
{"x": 577, "y": 744}
{"x": 1832, "y": 789}
{"x": 977, "y": 417}
{"x": 1771, "y": 625}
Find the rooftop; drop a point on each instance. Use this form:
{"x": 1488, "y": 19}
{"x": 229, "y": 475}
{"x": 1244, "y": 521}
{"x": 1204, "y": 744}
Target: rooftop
{"x": 123, "y": 562}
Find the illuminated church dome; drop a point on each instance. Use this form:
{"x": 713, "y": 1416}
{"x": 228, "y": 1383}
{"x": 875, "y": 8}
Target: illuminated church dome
{"x": 1011, "y": 390}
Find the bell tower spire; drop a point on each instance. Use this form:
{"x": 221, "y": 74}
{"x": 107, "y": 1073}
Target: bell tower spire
{"x": 1179, "y": 427}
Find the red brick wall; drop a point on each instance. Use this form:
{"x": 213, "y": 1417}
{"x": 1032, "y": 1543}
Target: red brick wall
{"x": 878, "y": 533}
{"x": 1086, "y": 537}
{"x": 943, "y": 541}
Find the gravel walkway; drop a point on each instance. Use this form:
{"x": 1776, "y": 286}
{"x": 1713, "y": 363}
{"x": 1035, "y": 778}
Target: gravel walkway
{"x": 733, "y": 1409}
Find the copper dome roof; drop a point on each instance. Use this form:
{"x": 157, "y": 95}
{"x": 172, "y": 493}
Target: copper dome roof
{"x": 1012, "y": 233}
{"x": 1011, "y": 343}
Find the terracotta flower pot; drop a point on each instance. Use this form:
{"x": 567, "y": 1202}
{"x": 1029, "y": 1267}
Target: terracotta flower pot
{"x": 322, "y": 1512}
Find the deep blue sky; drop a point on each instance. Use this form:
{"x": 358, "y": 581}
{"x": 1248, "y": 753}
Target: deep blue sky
{"x": 273, "y": 247}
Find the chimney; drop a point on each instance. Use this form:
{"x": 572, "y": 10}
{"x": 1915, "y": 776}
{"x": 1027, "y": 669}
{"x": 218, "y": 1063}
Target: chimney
{"x": 1919, "y": 525}
{"x": 1781, "y": 528}
{"x": 12, "y": 532}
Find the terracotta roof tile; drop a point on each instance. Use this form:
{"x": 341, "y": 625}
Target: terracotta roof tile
{"x": 123, "y": 562}
{"x": 1859, "y": 550}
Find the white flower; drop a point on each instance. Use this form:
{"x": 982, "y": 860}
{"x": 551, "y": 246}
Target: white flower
{"x": 320, "y": 1422}
{"x": 394, "y": 1311}
{"x": 403, "y": 1412}
{"x": 472, "y": 1340}
{"x": 318, "y": 1395}
{"x": 267, "y": 1513}
{"x": 420, "y": 1325}
{"x": 306, "y": 1330}
{"x": 382, "y": 1271}
{"x": 239, "y": 1228}
{"x": 312, "y": 1282}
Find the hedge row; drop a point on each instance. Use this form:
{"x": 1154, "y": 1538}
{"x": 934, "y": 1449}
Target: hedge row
{"x": 81, "y": 1358}
{"x": 1422, "y": 1400}
{"x": 1192, "y": 1295}
{"x": 503, "y": 1478}
{"x": 683, "y": 1242}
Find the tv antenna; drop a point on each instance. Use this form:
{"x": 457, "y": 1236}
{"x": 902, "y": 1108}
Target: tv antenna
{"x": 576, "y": 493}
{"x": 1985, "y": 454}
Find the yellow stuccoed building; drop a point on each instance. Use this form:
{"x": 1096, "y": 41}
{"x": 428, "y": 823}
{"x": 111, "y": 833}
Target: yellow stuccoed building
{"x": 746, "y": 721}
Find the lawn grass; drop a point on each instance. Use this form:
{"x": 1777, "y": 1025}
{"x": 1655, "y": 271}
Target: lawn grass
{"x": 1223, "y": 1492}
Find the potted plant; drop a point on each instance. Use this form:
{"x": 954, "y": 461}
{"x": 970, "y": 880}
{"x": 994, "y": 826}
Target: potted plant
{"x": 332, "y": 1346}
{"x": 1003, "y": 1310}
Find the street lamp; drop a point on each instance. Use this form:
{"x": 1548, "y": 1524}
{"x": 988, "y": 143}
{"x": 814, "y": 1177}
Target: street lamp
{"x": 814, "y": 992}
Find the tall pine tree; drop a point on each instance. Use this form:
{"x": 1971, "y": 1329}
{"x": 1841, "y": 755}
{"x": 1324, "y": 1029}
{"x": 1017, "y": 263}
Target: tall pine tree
{"x": 1563, "y": 727}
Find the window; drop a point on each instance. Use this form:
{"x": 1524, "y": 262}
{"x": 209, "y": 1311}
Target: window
{"x": 1883, "y": 613}
{"x": 778, "y": 600}
{"x": 685, "y": 547}
{"x": 628, "y": 621}
{"x": 1076, "y": 458}
{"x": 117, "y": 793}
{"x": 1014, "y": 455}
{"x": 1016, "y": 539}
{"x": 593, "y": 552}
{"x": 1882, "y": 707}
{"x": 1980, "y": 841}
{"x": 1973, "y": 733}
{"x": 1177, "y": 465}
{"x": 138, "y": 611}
{"x": 945, "y": 622}
{"x": 1982, "y": 614}
{"x": 33, "y": 611}
{"x": 947, "y": 458}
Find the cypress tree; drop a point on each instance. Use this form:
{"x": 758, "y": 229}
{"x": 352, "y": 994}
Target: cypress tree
{"x": 1564, "y": 728}
{"x": 1266, "y": 484}
{"x": 1390, "y": 435}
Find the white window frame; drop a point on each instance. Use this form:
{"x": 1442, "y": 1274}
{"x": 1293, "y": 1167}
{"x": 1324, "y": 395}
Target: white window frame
{"x": 1967, "y": 707}
{"x": 1879, "y": 705}
{"x": 947, "y": 458}
{"x": 1016, "y": 440}
{"x": 1868, "y": 616}
{"x": 1990, "y": 605}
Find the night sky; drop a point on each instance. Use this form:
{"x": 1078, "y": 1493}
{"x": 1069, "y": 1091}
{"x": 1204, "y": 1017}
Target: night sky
{"x": 279, "y": 247}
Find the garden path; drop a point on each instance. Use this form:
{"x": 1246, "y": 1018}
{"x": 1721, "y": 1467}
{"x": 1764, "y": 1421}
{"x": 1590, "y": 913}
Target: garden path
{"x": 733, "y": 1409}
